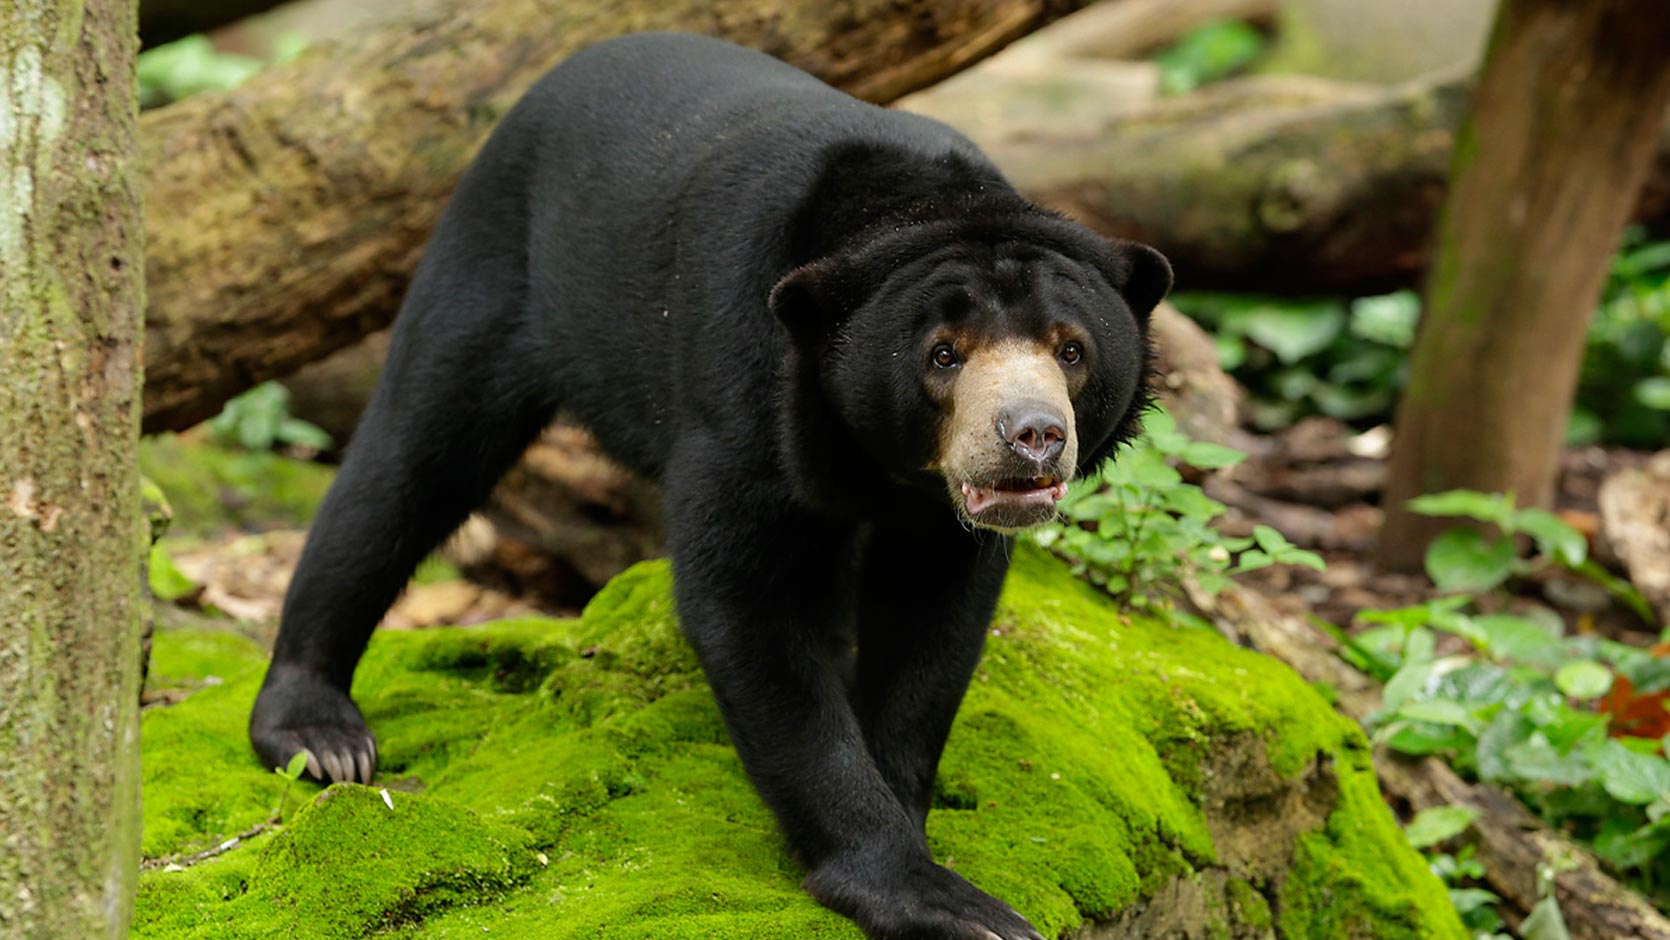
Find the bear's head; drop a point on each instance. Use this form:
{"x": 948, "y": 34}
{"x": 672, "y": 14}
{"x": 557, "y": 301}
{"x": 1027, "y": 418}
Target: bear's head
{"x": 991, "y": 358}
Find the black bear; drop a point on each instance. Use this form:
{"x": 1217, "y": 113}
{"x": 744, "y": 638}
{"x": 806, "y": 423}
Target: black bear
{"x": 854, "y": 357}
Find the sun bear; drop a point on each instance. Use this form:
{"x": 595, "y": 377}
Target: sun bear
{"x": 854, "y": 357}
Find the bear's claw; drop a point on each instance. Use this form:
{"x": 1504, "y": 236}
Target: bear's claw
{"x": 301, "y": 712}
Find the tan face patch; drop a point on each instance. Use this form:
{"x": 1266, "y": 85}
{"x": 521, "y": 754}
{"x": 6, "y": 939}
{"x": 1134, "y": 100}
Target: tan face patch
{"x": 990, "y": 379}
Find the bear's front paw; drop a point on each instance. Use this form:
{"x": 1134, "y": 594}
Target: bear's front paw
{"x": 914, "y": 899}
{"x": 300, "y": 711}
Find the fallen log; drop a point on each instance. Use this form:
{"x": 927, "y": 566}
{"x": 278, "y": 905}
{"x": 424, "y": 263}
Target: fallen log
{"x": 286, "y": 215}
{"x": 1268, "y": 183}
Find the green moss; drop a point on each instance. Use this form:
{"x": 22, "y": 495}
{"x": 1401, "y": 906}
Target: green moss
{"x": 1076, "y": 782}
{"x": 1247, "y": 908}
{"x": 1354, "y": 879}
{"x": 211, "y": 488}
{"x": 348, "y": 865}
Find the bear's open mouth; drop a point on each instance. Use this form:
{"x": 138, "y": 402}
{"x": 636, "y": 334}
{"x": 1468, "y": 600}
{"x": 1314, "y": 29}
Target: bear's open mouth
{"x": 1014, "y": 493}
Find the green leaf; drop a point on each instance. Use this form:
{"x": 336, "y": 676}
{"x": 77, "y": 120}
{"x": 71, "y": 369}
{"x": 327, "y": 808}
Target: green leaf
{"x": 1409, "y": 680}
{"x": 1485, "y": 507}
{"x": 1468, "y": 900}
{"x": 1388, "y": 318}
{"x": 293, "y": 770}
{"x": 1462, "y": 626}
{"x": 1569, "y": 727}
{"x": 1420, "y": 645}
{"x": 1583, "y": 679}
{"x": 1629, "y": 777}
{"x": 1628, "y": 846}
{"x": 1544, "y": 922}
{"x": 1535, "y": 759}
{"x": 168, "y": 582}
{"x": 1440, "y": 712}
{"x": 1654, "y": 392}
{"x": 1463, "y": 560}
{"x": 1209, "y": 456}
{"x": 1517, "y": 638}
{"x": 1299, "y": 556}
{"x": 1143, "y": 469}
{"x": 1554, "y": 538}
{"x": 1270, "y": 539}
{"x": 1418, "y": 614}
{"x": 1294, "y": 331}
{"x": 1435, "y": 825}
{"x": 1422, "y": 738}
{"x": 1251, "y": 561}
{"x": 1207, "y": 53}
{"x": 297, "y": 432}
{"x": 1490, "y": 756}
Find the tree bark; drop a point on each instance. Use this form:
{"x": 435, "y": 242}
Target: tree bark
{"x": 289, "y": 213}
{"x": 1558, "y": 140}
{"x": 71, "y": 536}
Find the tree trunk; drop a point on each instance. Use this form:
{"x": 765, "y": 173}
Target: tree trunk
{"x": 1559, "y": 138}
{"x": 289, "y": 213}
{"x": 71, "y": 536}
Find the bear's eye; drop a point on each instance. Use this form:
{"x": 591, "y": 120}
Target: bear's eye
{"x": 944, "y": 356}
{"x": 1071, "y": 353}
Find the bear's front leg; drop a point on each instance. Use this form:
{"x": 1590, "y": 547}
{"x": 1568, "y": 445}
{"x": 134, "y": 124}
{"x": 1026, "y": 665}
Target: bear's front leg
{"x": 927, "y": 590}
{"x": 761, "y": 590}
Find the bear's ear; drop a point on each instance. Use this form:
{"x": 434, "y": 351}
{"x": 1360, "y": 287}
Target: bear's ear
{"x": 810, "y": 300}
{"x": 1142, "y": 275}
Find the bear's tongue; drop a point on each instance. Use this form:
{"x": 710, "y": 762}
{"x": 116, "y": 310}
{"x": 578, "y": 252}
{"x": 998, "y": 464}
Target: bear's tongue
{"x": 1035, "y": 490}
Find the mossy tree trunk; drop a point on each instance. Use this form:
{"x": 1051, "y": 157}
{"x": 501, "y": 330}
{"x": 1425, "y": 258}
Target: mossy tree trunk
{"x": 1546, "y": 167}
{"x": 289, "y": 213}
{"x": 71, "y": 300}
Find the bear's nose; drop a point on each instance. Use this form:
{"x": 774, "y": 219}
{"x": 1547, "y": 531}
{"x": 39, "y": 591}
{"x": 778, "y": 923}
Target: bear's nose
{"x": 1033, "y": 430}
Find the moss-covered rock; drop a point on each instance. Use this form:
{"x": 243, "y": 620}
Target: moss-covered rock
{"x": 554, "y": 779}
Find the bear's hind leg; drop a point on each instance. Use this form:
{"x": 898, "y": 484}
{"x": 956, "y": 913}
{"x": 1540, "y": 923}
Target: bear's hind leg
{"x": 464, "y": 391}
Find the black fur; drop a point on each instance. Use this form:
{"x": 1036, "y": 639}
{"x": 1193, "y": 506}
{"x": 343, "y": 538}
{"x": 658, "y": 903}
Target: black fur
{"x": 730, "y": 273}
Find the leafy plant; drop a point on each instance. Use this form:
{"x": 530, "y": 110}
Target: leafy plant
{"x": 1347, "y": 359}
{"x": 1466, "y": 560}
{"x": 1302, "y": 357}
{"x": 291, "y": 772}
{"x": 1210, "y": 52}
{"x": 1517, "y": 706}
{"x": 187, "y": 66}
{"x": 260, "y": 418}
{"x": 166, "y": 580}
{"x": 1459, "y": 871}
{"x": 1138, "y": 529}
{"x": 1624, "y": 393}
